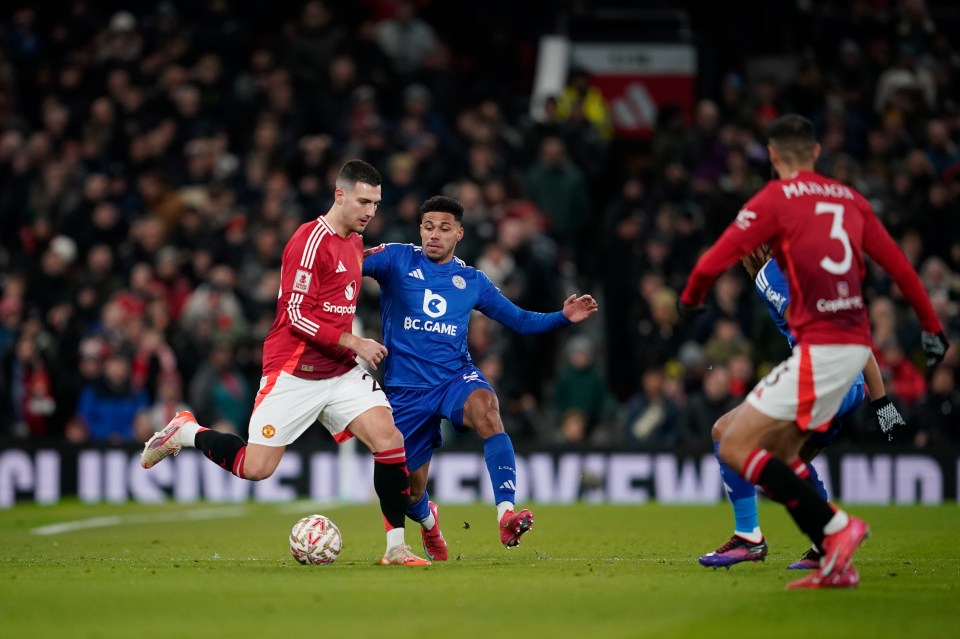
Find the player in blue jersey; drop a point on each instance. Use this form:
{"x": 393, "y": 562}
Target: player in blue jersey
{"x": 426, "y": 298}
{"x": 747, "y": 543}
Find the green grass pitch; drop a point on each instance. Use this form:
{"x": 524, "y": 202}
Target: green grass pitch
{"x": 584, "y": 571}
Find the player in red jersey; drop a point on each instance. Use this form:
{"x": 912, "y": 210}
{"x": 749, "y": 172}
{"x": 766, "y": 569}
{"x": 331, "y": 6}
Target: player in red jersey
{"x": 310, "y": 371}
{"x": 819, "y": 230}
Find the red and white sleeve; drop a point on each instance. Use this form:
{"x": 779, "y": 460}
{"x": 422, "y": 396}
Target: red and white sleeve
{"x": 878, "y": 244}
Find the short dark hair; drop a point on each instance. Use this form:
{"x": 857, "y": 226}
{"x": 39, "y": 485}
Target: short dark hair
{"x": 442, "y": 204}
{"x": 794, "y": 136}
{"x": 357, "y": 171}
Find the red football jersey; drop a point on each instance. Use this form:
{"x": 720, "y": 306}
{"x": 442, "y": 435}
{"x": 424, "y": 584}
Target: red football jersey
{"x": 319, "y": 284}
{"x": 819, "y": 230}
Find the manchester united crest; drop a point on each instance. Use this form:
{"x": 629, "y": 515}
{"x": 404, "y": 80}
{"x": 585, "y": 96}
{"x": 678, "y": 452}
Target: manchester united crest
{"x": 269, "y": 431}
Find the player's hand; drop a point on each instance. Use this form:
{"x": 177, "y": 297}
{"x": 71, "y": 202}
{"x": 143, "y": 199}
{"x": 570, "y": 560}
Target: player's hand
{"x": 576, "y": 309}
{"x": 688, "y": 312}
{"x": 890, "y": 421}
{"x": 370, "y": 351}
{"x": 754, "y": 261}
{"x": 934, "y": 347}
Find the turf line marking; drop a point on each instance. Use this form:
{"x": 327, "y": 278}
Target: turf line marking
{"x": 121, "y": 520}
{"x": 304, "y": 506}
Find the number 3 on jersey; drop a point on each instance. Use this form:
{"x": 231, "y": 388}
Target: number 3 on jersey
{"x": 837, "y": 232}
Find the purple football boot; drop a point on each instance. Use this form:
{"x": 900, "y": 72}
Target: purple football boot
{"x": 809, "y": 561}
{"x": 734, "y": 551}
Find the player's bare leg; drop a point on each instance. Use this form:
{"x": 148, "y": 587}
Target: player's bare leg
{"x": 418, "y": 481}
{"x": 481, "y": 413}
{"x": 259, "y": 461}
{"x": 376, "y": 429}
{"x": 227, "y": 450}
{"x": 746, "y": 447}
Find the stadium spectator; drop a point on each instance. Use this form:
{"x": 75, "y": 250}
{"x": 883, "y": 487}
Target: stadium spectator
{"x": 937, "y": 415}
{"x": 651, "y": 413}
{"x": 582, "y": 399}
{"x": 704, "y": 408}
{"x": 557, "y": 186}
{"x": 657, "y": 339}
{"x": 108, "y": 407}
{"x": 320, "y": 36}
{"x": 28, "y": 402}
{"x": 411, "y": 43}
{"x": 901, "y": 376}
{"x": 213, "y": 310}
{"x": 941, "y": 149}
{"x": 218, "y": 393}
{"x": 582, "y": 98}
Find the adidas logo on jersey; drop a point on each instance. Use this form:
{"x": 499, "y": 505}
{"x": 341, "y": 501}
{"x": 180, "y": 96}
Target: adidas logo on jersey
{"x": 416, "y": 273}
{"x": 341, "y": 268}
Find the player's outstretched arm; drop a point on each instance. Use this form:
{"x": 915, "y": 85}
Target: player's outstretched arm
{"x": 370, "y": 351}
{"x": 729, "y": 247}
{"x": 576, "y": 309}
{"x": 494, "y": 305}
{"x": 878, "y": 244}
{"x": 888, "y": 417}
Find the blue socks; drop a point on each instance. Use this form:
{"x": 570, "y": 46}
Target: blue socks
{"x": 743, "y": 496}
{"x": 502, "y": 466}
{"x": 420, "y": 510}
{"x": 815, "y": 480}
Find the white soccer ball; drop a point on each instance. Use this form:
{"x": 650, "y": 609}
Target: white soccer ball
{"x": 315, "y": 540}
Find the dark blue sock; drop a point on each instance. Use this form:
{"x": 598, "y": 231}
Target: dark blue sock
{"x": 742, "y": 494}
{"x": 815, "y": 480}
{"x": 420, "y": 510}
{"x": 502, "y": 466}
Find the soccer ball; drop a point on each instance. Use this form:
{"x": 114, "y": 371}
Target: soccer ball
{"x": 315, "y": 540}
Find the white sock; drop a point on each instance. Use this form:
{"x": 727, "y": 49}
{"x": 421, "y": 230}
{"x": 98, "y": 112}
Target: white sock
{"x": 394, "y": 538}
{"x": 188, "y": 434}
{"x": 503, "y": 507}
{"x": 754, "y": 537}
{"x": 837, "y": 523}
{"x": 429, "y": 522}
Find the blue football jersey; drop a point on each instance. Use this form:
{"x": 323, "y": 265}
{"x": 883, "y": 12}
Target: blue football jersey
{"x": 773, "y": 289}
{"x": 425, "y": 309}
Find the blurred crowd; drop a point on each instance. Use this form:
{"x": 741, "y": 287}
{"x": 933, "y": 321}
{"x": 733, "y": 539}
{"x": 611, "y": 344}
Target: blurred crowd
{"x": 154, "y": 162}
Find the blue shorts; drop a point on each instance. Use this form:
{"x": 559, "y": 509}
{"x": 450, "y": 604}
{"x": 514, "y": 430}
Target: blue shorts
{"x": 418, "y": 411}
{"x": 851, "y": 402}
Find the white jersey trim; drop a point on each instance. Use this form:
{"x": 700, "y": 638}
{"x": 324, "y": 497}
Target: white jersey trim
{"x": 297, "y": 319}
{"x": 313, "y": 242}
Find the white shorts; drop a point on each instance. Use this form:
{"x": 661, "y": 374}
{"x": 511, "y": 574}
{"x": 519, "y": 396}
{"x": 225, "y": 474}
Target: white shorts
{"x": 810, "y": 385}
{"x": 286, "y": 406}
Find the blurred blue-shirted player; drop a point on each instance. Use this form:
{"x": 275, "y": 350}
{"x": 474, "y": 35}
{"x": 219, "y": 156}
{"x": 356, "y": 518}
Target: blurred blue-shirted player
{"x": 747, "y": 543}
{"x": 426, "y": 298}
